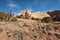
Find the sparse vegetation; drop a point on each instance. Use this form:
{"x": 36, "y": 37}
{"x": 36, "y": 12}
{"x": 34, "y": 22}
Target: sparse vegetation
{"x": 19, "y": 16}
{"x": 47, "y": 19}
{"x": 13, "y": 19}
{"x": 29, "y": 30}
{"x": 34, "y": 18}
{"x": 39, "y": 20}
{"x": 5, "y": 16}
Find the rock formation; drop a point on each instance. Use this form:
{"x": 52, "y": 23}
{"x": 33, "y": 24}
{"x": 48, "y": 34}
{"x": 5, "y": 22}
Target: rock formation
{"x": 55, "y": 15}
{"x": 28, "y": 15}
{"x": 39, "y": 15}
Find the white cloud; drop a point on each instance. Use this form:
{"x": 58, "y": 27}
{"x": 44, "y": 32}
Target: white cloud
{"x": 12, "y": 4}
{"x": 29, "y": 9}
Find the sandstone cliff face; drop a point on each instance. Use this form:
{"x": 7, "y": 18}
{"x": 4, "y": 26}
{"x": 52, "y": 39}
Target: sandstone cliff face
{"x": 27, "y": 29}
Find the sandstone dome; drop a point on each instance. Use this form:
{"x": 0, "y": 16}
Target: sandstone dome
{"x": 39, "y": 15}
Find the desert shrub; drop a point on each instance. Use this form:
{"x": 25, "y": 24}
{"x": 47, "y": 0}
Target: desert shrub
{"x": 13, "y": 20}
{"x": 19, "y": 16}
{"x": 5, "y": 16}
{"x": 2, "y": 16}
{"x": 47, "y": 19}
{"x": 1, "y": 30}
{"x": 35, "y": 18}
{"x": 39, "y": 20}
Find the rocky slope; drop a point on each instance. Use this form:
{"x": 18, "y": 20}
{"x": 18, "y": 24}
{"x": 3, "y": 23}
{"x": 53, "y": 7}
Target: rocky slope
{"x": 55, "y": 15}
{"x": 27, "y": 29}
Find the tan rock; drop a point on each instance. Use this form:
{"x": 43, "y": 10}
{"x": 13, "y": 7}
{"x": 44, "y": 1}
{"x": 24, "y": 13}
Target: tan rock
{"x": 39, "y": 15}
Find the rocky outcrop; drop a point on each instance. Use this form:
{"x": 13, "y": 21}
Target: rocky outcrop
{"x": 29, "y": 30}
{"x": 39, "y": 15}
{"x": 55, "y": 15}
{"x": 28, "y": 15}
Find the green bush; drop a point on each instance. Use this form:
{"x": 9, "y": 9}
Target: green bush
{"x": 13, "y": 20}
{"x": 47, "y": 19}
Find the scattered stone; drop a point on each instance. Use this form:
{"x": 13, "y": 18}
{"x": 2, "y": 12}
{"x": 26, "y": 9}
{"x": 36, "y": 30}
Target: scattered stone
{"x": 27, "y": 29}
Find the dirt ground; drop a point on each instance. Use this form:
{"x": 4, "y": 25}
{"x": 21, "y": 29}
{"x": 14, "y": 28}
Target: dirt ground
{"x": 26, "y": 29}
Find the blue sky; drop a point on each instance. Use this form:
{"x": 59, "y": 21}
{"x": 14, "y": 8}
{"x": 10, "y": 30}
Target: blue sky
{"x": 32, "y": 5}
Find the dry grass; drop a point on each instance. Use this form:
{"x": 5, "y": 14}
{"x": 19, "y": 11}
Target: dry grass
{"x": 27, "y": 29}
